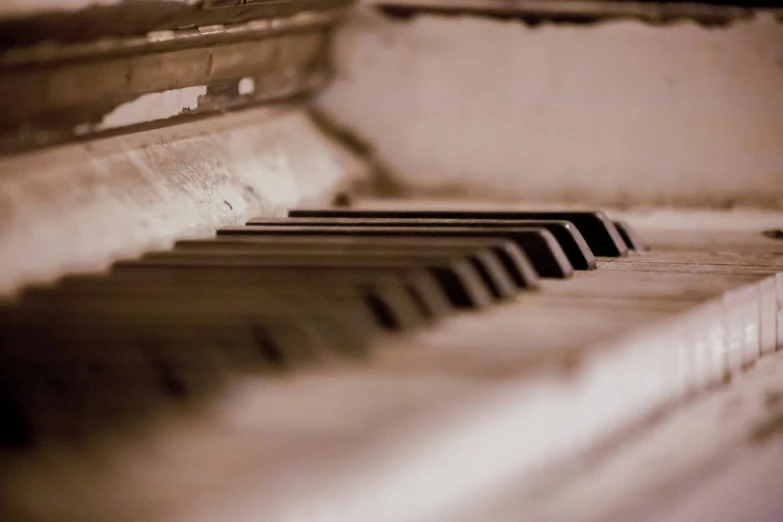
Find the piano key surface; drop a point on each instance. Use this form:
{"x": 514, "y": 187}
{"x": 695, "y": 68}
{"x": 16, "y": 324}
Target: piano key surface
{"x": 731, "y": 473}
{"x": 441, "y": 416}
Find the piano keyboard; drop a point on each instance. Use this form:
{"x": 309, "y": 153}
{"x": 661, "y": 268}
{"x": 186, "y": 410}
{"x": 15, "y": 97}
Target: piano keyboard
{"x": 366, "y": 364}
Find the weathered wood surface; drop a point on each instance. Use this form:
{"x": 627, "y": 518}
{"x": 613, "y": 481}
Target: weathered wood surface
{"x": 56, "y": 88}
{"x": 28, "y": 22}
{"x": 83, "y": 205}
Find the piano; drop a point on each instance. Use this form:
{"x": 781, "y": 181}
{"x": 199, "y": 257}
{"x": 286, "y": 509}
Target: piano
{"x": 324, "y": 260}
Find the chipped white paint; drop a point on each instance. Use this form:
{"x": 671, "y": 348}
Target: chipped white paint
{"x": 619, "y": 112}
{"x": 151, "y": 107}
{"x": 80, "y": 206}
{"x": 246, "y": 86}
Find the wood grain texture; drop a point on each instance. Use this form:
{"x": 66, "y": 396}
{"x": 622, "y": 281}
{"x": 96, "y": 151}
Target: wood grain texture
{"x": 29, "y": 22}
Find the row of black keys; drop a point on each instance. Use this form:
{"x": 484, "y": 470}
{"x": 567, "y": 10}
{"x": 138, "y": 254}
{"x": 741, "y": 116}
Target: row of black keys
{"x": 321, "y": 278}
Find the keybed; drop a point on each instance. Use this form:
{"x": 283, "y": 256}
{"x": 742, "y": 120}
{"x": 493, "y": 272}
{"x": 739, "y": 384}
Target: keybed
{"x": 489, "y": 303}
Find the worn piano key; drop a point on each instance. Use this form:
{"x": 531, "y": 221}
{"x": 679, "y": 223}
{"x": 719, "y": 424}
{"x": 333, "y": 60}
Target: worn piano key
{"x": 511, "y": 256}
{"x": 779, "y": 313}
{"x": 346, "y": 323}
{"x": 168, "y": 371}
{"x": 393, "y": 306}
{"x": 630, "y": 237}
{"x": 700, "y": 268}
{"x": 525, "y": 337}
{"x": 594, "y": 317}
{"x": 346, "y": 329}
{"x": 278, "y": 335}
{"x": 488, "y": 265}
{"x": 15, "y": 430}
{"x": 712, "y": 240}
{"x": 396, "y": 307}
{"x": 653, "y": 285}
{"x": 663, "y": 260}
{"x": 766, "y": 298}
{"x": 111, "y": 386}
{"x": 572, "y": 242}
{"x": 278, "y": 343}
{"x": 239, "y": 350}
{"x": 539, "y": 245}
{"x": 420, "y": 284}
{"x": 740, "y": 294}
{"x": 458, "y": 279}
{"x": 597, "y": 229}
{"x": 391, "y": 303}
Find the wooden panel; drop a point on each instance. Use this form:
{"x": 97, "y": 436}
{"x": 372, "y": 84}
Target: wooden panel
{"x": 80, "y": 206}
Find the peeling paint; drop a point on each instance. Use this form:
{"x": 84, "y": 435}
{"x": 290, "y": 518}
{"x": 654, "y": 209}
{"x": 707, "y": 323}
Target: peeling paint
{"x": 246, "y": 86}
{"x": 154, "y": 106}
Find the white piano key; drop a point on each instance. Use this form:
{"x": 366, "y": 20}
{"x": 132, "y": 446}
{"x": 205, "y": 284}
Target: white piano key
{"x": 740, "y": 306}
{"x": 779, "y": 285}
{"x": 646, "y": 475}
{"x": 668, "y": 260}
{"x": 768, "y": 311}
{"x": 708, "y": 344}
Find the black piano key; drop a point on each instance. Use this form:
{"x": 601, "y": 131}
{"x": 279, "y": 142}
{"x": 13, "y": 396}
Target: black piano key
{"x": 597, "y": 229}
{"x": 419, "y": 283}
{"x": 347, "y": 313}
{"x": 15, "y": 429}
{"x": 570, "y": 239}
{"x": 539, "y": 245}
{"x": 289, "y": 334}
{"x": 395, "y": 309}
{"x": 488, "y": 265}
{"x": 124, "y": 343}
{"x": 392, "y": 304}
{"x": 630, "y": 238}
{"x": 458, "y": 278}
{"x": 112, "y": 334}
{"x": 101, "y": 387}
{"x": 284, "y": 347}
{"x": 510, "y": 255}
{"x": 427, "y": 294}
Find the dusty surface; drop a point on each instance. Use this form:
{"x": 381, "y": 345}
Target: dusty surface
{"x": 702, "y": 462}
{"x": 614, "y": 113}
{"x": 80, "y": 206}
